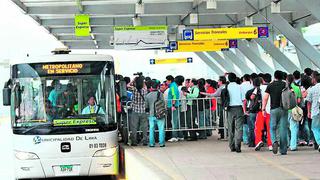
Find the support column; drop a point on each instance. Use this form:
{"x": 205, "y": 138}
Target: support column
{"x": 312, "y": 6}
{"x": 255, "y": 59}
{"x": 277, "y": 55}
{"x": 295, "y": 37}
{"x": 211, "y": 64}
{"x": 237, "y": 61}
{"x": 223, "y": 62}
{"x": 303, "y": 60}
{"x": 243, "y": 58}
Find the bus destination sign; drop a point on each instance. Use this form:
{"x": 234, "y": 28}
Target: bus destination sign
{"x": 65, "y": 68}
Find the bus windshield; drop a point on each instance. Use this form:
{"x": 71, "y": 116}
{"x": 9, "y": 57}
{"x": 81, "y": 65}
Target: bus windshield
{"x": 64, "y": 104}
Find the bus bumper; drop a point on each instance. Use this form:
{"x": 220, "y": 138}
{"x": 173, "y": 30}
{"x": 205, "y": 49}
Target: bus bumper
{"x": 81, "y": 166}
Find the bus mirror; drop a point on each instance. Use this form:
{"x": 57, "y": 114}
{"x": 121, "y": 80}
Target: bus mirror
{"x": 123, "y": 90}
{"x": 6, "y": 92}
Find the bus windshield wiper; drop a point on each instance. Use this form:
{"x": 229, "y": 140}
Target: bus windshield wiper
{"x": 37, "y": 126}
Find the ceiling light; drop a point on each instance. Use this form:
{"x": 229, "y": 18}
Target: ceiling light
{"x": 211, "y": 4}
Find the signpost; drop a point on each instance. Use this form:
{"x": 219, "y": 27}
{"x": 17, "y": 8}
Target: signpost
{"x": 226, "y": 33}
{"x": 171, "y": 61}
{"x": 140, "y": 37}
{"x": 82, "y": 25}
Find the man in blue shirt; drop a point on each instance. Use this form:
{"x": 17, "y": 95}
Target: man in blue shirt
{"x": 173, "y": 105}
{"x": 235, "y": 113}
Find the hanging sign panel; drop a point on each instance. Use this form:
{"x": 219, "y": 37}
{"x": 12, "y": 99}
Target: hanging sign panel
{"x": 140, "y": 37}
{"x": 171, "y": 61}
{"x": 226, "y": 33}
{"x": 199, "y": 46}
{"x": 82, "y": 25}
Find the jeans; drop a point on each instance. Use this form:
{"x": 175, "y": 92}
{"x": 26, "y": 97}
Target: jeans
{"x": 175, "y": 124}
{"x": 294, "y": 129}
{"x": 305, "y": 132}
{"x": 279, "y": 128}
{"x": 183, "y": 122}
{"x": 251, "y": 125}
{"x": 245, "y": 131}
{"x": 316, "y": 128}
{"x": 191, "y": 124}
{"x": 235, "y": 125}
{"x": 209, "y": 118}
{"x": 202, "y": 123}
{"x": 160, "y": 123}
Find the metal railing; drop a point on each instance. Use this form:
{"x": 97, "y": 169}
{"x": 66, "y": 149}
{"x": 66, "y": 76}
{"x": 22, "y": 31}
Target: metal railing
{"x": 193, "y": 115}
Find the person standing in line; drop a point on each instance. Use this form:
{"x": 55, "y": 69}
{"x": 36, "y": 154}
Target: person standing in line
{"x": 278, "y": 116}
{"x": 235, "y": 111}
{"x": 173, "y": 107}
{"x": 192, "y": 109}
{"x": 254, "y": 98}
{"x": 263, "y": 121}
{"x": 139, "y": 115}
{"x": 183, "y": 107}
{"x": 313, "y": 99}
{"x": 294, "y": 125}
{"x": 222, "y": 84}
{"x": 246, "y": 85}
{"x": 151, "y": 98}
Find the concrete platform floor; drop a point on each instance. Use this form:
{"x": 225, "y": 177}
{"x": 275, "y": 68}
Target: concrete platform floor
{"x": 211, "y": 159}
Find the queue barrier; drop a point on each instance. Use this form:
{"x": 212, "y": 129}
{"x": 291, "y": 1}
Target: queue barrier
{"x": 196, "y": 117}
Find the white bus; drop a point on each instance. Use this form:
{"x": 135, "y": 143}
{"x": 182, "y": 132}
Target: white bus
{"x": 63, "y": 113}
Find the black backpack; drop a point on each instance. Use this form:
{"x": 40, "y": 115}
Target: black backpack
{"x": 159, "y": 108}
{"x": 256, "y": 103}
{"x": 225, "y": 98}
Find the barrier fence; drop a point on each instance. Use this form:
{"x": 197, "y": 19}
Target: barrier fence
{"x": 192, "y": 115}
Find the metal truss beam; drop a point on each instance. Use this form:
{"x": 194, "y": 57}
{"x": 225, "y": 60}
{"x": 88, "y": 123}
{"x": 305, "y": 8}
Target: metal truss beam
{"x": 211, "y": 64}
{"x": 277, "y": 55}
{"x": 226, "y": 64}
{"x": 254, "y": 58}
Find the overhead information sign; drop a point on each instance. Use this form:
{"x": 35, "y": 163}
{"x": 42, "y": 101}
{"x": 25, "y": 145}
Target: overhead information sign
{"x": 82, "y": 25}
{"x": 140, "y": 37}
{"x": 74, "y": 122}
{"x": 171, "y": 61}
{"x": 226, "y": 33}
{"x": 199, "y": 46}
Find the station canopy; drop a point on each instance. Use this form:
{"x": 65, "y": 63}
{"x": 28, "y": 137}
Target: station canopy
{"x": 57, "y": 16}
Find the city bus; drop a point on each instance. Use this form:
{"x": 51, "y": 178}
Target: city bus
{"x": 63, "y": 116}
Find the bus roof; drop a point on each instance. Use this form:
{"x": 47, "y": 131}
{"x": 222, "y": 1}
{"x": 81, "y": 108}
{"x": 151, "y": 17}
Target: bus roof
{"x": 64, "y": 58}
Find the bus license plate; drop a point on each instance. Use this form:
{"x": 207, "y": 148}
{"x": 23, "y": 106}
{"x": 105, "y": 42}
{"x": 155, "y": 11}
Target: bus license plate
{"x": 66, "y": 168}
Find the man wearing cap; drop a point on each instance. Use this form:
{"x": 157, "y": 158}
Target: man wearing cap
{"x": 92, "y": 107}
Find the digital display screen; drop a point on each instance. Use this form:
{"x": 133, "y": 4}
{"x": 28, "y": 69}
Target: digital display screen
{"x": 61, "y": 69}
{"x": 74, "y": 68}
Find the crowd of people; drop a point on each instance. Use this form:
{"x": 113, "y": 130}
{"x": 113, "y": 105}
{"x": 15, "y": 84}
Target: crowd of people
{"x": 280, "y": 113}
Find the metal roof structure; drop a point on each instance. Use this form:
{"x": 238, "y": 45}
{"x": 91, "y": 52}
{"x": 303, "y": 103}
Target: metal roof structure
{"x": 57, "y": 17}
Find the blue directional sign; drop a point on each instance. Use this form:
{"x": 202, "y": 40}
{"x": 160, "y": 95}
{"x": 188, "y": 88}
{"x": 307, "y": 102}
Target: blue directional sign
{"x": 189, "y": 60}
{"x": 187, "y": 34}
{"x": 152, "y": 61}
{"x": 173, "y": 45}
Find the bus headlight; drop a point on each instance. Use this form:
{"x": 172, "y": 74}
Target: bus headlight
{"x": 25, "y": 155}
{"x": 105, "y": 152}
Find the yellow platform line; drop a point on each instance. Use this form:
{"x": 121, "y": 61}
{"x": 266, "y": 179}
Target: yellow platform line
{"x": 280, "y": 167}
{"x": 162, "y": 167}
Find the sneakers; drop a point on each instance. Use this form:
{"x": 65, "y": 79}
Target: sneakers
{"x": 173, "y": 140}
{"x": 270, "y": 148}
{"x": 180, "y": 139}
{"x": 319, "y": 148}
{"x": 310, "y": 143}
{"x": 275, "y": 147}
{"x": 258, "y": 146}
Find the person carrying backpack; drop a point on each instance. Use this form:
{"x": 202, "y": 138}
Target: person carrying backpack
{"x": 254, "y": 98}
{"x": 292, "y": 99}
{"x": 155, "y": 102}
{"x": 278, "y": 116}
